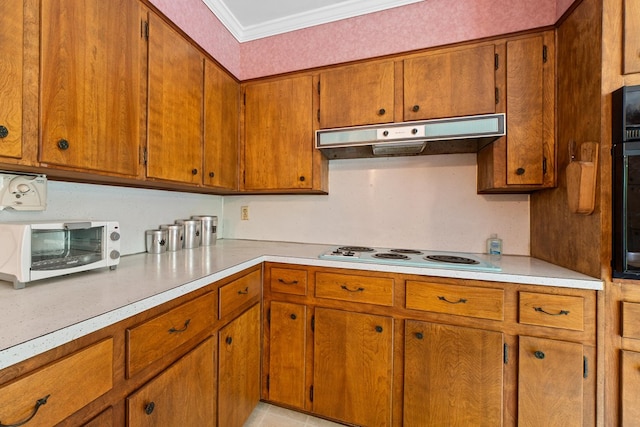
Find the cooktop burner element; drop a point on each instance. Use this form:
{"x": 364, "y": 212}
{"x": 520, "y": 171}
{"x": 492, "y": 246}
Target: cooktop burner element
{"x": 411, "y": 258}
{"x": 452, "y": 259}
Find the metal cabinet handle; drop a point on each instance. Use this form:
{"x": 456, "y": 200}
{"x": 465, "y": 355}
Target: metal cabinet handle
{"x": 293, "y": 317}
{"x": 228, "y": 340}
{"x": 382, "y": 112}
{"x": 4, "y": 132}
{"x": 352, "y": 290}
{"x": 419, "y": 335}
{"x": 539, "y": 354}
{"x": 288, "y": 282}
{"x": 460, "y": 301}
{"x": 184, "y": 328}
{"x": 149, "y": 407}
{"x": 415, "y": 108}
{"x": 379, "y": 329}
{"x": 520, "y": 171}
{"x": 194, "y": 171}
{"x": 39, "y": 403}
{"x": 560, "y": 313}
{"x": 211, "y": 174}
{"x": 63, "y": 144}
{"x": 243, "y": 292}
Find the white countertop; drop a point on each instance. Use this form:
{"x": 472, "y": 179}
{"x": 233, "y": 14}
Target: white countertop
{"x": 52, "y": 312}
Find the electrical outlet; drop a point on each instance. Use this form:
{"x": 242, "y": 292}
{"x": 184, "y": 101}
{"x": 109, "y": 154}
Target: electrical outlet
{"x": 244, "y": 213}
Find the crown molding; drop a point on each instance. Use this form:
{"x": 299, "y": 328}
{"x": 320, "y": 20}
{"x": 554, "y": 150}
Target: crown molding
{"x": 344, "y": 10}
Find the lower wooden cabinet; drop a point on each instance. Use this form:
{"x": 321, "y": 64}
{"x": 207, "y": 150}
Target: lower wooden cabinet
{"x": 352, "y": 373}
{"x": 453, "y": 376}
{"x": 630, "y": 388}
{"x": 182, "y": 395}
{"x": 239, "y": 369}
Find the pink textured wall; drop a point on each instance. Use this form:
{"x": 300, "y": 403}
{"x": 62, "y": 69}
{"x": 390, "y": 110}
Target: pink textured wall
{"x": 420, "y": 25}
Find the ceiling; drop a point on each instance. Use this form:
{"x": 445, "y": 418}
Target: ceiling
{"x": 253, "y": 19}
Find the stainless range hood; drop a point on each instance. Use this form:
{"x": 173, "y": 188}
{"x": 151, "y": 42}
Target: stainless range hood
{"x": 438, "y": 136}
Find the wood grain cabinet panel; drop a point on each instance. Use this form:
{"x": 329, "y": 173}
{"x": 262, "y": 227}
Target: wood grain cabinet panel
{"x": 182, "y": 395}
{"x": 450, "y": 84}
{"x": 239, "y": 368}
{"x": 452, "y": 299}
{"x": 453, "y": 376}
{"x": 631, "y": 36}
{"x": 58, "y": 390}
{"x": 352, "y": 377}
{"x": 360, "y": 94}
{"x": 288, "y": 281}
{"x": 356, "y": 288}
{"x": 92, "y": 72}
{"x": 175, "y": 116}
{"x": 221, "y": 121}
{"x": 11, "y": 78}
{"x": 550, "y": 382}
{"x": 556, "y": 311}
{"x": 631, "y": 320}
{"x": 287, "y": 353}
{"x": 240, "y": 293}
{"x": 156, "y": 337}
{"x": 630, "y": 388}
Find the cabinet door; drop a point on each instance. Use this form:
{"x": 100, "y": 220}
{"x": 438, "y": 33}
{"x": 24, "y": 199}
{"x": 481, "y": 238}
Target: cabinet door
{"x": 357, "y": 95}
{"x": 630, "y": 388}
{"x": 353, "y": 367}
{"x": 91, "y": 84}
{"x": 287, "y": 353}
{"x": 175, "y": 106}
{"x": 11, "y": 46}
{"x": 239, "y": 369}
{"x": 631, "y": 36}
{"x": 449, "y": 84}
{"x": 221, "y": 112}
{"x": 550, "y": 382}
{"x": 278, "y": 134}
{"x": 182, "y": 395}
{"x": 452, "y": 375}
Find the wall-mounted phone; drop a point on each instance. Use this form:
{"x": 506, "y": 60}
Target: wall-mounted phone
{"x": 25, "y": 192}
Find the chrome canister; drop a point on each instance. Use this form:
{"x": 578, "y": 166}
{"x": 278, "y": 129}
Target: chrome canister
{"x": 192, "y": 232}
{"x": 156, "y": 241}
{"x": 209, "y": 226}
{"x": 175, "y": 236}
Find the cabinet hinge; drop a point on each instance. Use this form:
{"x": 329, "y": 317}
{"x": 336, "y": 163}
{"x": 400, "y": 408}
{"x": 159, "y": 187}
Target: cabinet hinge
{"x": 544, "y": 53}
{"x": 144, "y": 30}
{"x": 505, "y": 355}
{"x": 311, "y": 393}
{"x": 497, "y": 96}
{"x": 145, "y": 156}
{"x": 318, "y": 88}
{"x": 496, "y": 61}
{"x": 585, "y": 367}
{"x": 269, "y": 316}
{"x": 318, "y": 115}
{"x": 244, "y": 98}
{"x": 267, "y": 382}
{"x": 544, "y": 165}
{"x": 313, "y": 323}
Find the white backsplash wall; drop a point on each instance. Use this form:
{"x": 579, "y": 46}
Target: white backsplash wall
{"x": 136, "y": 209}
{"x": 424, "y": 202}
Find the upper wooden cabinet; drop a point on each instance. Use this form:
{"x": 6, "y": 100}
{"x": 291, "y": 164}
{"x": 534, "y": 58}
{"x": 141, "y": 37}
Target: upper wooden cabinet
{"x": 357, "y": 95}
{"x": 221, "y": 113}
{"x": 523, "y": 160}
{"x": 278, "y": 137}
{"x": 175, "y": 116}
{"x": 449, "y": 84}
{"x": 11, "y": 70}
{"x": 91, "y": 85}
{"x": 631, "y": 36}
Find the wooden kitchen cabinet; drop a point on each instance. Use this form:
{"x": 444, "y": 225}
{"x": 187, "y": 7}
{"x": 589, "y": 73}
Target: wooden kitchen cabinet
{"x": 631, "y": 37}
{"x": 453, "y": 375}
{"x": 239, "y": 368}
{"x": 361, "y": 94}
{"x": 175, "y": 116}
{"x": 353, "y": 354}
{"x": 278, "y": 137}
{"x": 524, "y": 159}
{"x": 221, "y": 121}
{"x": 92, "y": 85}
{"x": 629, "y": 388}
{"x": 182, "y": 395}
{"x": 450, "y": 83}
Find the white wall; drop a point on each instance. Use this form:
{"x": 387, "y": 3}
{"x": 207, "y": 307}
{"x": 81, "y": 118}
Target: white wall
{"x": 425, "y": 202}
{"x": 136, "y": 209}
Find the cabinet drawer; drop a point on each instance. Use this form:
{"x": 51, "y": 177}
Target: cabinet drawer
{"x": 239, "y": 293}
{"x": 58, "y": 390}
{"x": 289, "y": 281}
{"x": 156, "y": 337}
{"x": 631, "y": 320}
{"x": 348, "y": 287}
{"x": 555, "y": 311}
{"x": 467, "y": 301}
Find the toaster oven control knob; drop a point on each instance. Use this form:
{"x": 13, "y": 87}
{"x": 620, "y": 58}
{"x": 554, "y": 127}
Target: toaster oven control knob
{"x": 115, "y": 236}
{"x": 114, "y": 254}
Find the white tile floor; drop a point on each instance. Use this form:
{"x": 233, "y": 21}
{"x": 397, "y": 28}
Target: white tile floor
{"x": 266, "y": 415}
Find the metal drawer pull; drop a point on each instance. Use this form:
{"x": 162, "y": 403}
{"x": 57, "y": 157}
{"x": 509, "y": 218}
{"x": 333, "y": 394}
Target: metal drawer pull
{"x": 287, "y": 282}
{"x": 419, "y": 335}
{"x": 149, "y": 407}
{"x": 184, "y": 328}
{"x": 39, "y": 403}
{"x": 352, "y": 290}
{"x": 243, "y": 292}
{"x": 460, "y": 301}
{"x": 541, "y": 310}
{"x": 539, "y": 354}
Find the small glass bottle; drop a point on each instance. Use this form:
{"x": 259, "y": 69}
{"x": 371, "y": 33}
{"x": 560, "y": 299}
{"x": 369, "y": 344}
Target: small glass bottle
{"x": 494, "y": 246}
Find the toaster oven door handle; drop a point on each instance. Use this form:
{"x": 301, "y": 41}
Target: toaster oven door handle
{"x": 76, "y": 225}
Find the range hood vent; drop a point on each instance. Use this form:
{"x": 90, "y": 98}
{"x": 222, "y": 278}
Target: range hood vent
{"x": 438, "y": 136}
